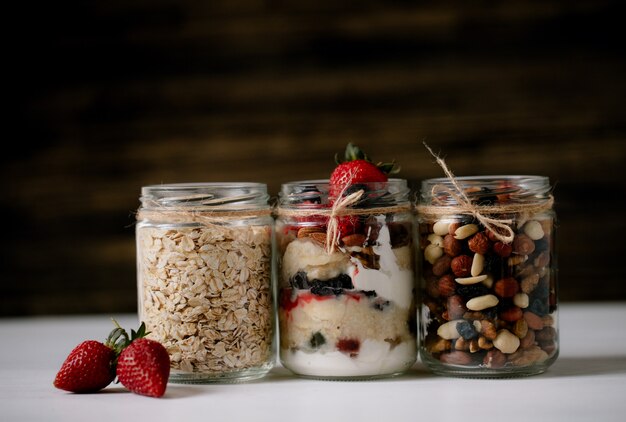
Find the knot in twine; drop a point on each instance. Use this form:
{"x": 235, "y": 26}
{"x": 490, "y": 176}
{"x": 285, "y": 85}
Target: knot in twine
{"x": 500, "y": 227}
{"x": 339, "y": 207}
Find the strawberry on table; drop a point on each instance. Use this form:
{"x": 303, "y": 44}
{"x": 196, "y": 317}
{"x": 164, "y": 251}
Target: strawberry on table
{"x": 87, "y": 369}
{"x": 142, "y": 365}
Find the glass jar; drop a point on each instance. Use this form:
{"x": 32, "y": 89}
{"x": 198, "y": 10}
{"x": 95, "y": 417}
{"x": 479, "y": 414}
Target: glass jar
{"x": 346, "y": 280}
{"x": 488, "y": 284}
{"x": 204, "y": 278}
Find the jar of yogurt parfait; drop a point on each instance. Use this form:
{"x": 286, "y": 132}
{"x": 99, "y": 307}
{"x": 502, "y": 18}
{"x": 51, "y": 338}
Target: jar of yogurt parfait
{"x": 346, "y": 280}
{"x": 204, "y": 278}
{"x": 488, "y": 279}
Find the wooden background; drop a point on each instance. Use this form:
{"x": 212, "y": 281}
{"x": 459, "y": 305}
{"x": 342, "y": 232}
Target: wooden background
{"x": 107, "y": 96}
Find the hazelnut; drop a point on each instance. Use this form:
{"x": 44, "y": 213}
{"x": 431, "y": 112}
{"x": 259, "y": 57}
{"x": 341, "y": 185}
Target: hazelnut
{"x": 542, "y": 260}
{"x": 545, "y": 335}
{"x": 511, "y": 314}
{"x": 523, "y": 245}
{"x": 456, "y": 307}
{"x": 453, "y": 226}
{"x": 492, "y": 236}
{"x": 452, "y": 246}
{"x": 502, "y": 249}
{"x": 494, "y": 359}
{"x": 446, "y": 286}
{"x": 528, "y": 340}
{"x": 479, "y": 243}
{"x": 506, "y": 287}
{"x": 461, "y": 266}
{"x": 534, "y": 321}
{"x": 442, "y": 265}
{"x": 456, "y": 358}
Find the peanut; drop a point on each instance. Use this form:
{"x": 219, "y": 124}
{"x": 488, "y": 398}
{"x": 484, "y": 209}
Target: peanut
{"x": 465, "y": 231}
{"x": 478, "y": 263}
{"x": 506, "y": 342}
{"x": 482, "y": 302}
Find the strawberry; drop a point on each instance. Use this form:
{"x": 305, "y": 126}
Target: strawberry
{"x": 144, "y": 367}
{"x": 87, "y": 369}
{"x": 92, "y": 365}
{"x": 348, "y": 224}
{"x": 357, "y": 168}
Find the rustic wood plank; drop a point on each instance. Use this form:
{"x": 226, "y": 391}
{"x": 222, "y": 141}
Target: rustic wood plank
{"x": 115, "y": 95}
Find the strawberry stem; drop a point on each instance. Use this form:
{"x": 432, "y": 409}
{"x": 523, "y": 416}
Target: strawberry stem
{"x": 354, "y": 153}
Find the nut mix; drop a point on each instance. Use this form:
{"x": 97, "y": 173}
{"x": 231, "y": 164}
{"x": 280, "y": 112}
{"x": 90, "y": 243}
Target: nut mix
{"x": 501, "y": 305}
{"x": 489, "y": 302}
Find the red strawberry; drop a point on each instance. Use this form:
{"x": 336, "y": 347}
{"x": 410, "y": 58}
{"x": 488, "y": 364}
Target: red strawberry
{"x": 87, "y": 369}
{"x": 348, "y": 224}
{"x": 357, "y": 168}
{"x": 144, "y": 367}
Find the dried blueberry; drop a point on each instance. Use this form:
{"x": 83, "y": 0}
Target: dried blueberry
{"x": 380, "y": 304}
{"x": 323, "y": 290}
{"x": 369, "y": 293}
{"x": 472, "y": 290}
{"x": 539, "y": 307}
{"x": 299, "y": 281}
{"x": 332, "y": 286}
{"x": 317, "y": 340}
{"x": 466, "y": 330}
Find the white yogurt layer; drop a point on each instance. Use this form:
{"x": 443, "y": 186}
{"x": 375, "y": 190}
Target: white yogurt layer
{"x": 391, "y": 281}
{"x": 374, "y": 358}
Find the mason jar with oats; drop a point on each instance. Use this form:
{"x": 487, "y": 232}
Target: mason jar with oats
{"x": 204, "y": 278}
{"x": 488, "y": 283}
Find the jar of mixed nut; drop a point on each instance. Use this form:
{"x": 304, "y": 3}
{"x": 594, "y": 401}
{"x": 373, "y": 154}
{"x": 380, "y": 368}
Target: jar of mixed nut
{"x": 488, "y": 276}
{"x": 204, "y": 278}
{"x": 346, "y": 280}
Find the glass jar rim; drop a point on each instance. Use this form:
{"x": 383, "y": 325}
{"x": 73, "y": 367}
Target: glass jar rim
{"x": 513, "y": 188}
{"x": 312, "y": 193}
{"x": 206, "y": 195}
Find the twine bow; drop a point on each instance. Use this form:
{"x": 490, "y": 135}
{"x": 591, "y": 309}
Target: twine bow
{"x": 332, "y": 231}
{"x": 497, "y": 226}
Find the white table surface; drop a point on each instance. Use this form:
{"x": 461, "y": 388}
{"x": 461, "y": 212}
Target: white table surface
{"x": 587, "y": 383}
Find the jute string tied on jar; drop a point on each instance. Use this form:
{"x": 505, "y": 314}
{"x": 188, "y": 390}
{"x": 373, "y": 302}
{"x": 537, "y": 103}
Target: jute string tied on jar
{"x": 500, "y": 227}
{"x": 344, "y": 206}
{"x": 186, "y": 215}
